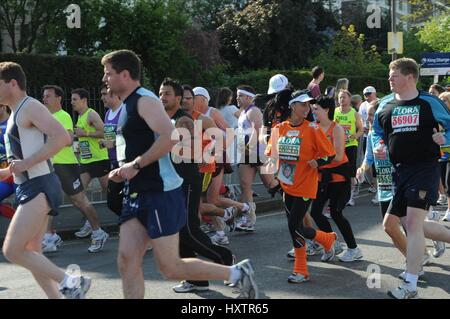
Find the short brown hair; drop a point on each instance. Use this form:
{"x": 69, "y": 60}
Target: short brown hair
{"x": 59, "y": 92}
{"x": 124, "y": 60}
{"x": 406, "y": 66}
{"x": 83, "y": 93}
{"x": 13, "y": 71}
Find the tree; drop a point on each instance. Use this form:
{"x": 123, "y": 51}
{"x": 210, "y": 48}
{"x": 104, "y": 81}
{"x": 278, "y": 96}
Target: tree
{"x": 274, "y": 34}
{"x": 205, "y": 13}
{"x": 347, "y": 56}
{"x": 436, "y": 33}
{"x": 29, "y": 18}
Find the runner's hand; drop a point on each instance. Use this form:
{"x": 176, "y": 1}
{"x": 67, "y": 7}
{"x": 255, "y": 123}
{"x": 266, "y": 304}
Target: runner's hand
{"x": 114, "y": 176}
{"x": 127, "y": 171}
{"x": 18, "y": 166}
{"x": 79, "y": 132}
{"x": 313, "y": 164}
{"x": 438, "y": 137}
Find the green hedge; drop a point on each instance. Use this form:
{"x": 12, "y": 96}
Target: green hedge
{"x": 66, "y": 71}
{"x": 69, "y": 72}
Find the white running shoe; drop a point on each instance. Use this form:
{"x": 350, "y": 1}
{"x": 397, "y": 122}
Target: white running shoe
{"x": 97, "y": 243}
{"x": 351, "y": 255}
{"x": 220, "y": 240}
{"x": 291, "y": 254}
{"x": 402, "y": 292}
{"x": 433, "y": 215}
{"x": 185, "y": 287}
{"x": 297, "y": 278}
{"x": 49, "y": 247}
{"x": 442, "y": 200}
{"x": 328, "y": 256}
{"x": 338, "y": 247}
{"x": 84, "y": 231}
{"x": 247, "y": 283}
{"x": 79, "y": 291}
{"x": 446, "y": 216}
{"x": 351, "y": 202}
{"x": 439, "y": 248}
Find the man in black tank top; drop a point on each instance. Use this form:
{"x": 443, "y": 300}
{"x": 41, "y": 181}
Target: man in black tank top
{"x": 193, "y": 240}
{"x": 154, "y": 206}
{"x": 39, "y": 192}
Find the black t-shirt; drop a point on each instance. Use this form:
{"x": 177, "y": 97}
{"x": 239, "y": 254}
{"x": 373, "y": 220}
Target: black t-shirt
{"x": 188, "y": 171}
{"x": 408, "y": 127}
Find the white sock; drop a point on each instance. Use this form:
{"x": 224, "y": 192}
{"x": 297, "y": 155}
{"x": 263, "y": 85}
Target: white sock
{"x": 412, "y": 281}
{"x": 221, "y": 233}
{"x": 246, "y": 207}
{"x": 235, "y": 274}
{"x": 97, "y": 233}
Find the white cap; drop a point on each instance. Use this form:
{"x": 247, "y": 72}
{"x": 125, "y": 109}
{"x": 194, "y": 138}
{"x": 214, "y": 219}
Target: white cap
{"x": 277, "y": 83}
{"x": 201, "y": 91}
{"x": 302, "y": 99}
{"x": 369, "y": 89}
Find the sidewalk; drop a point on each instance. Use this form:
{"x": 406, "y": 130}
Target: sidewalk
{"x": 70, "y": 219}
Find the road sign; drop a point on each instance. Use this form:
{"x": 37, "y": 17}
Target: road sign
{"x": 435, "y": 63}
{"x": 395, "y": 42}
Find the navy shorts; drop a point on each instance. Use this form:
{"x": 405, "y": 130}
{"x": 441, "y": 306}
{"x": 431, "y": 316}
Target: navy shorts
{"x": 161, "y": 213}
{"x": 47, "y": 184}
{"x": 415, "y": 185}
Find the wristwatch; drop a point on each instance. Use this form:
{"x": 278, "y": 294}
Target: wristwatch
{"x": 136, "y": 165}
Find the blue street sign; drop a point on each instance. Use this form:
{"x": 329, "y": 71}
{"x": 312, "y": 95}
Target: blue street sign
{"x": 435, "y": 60}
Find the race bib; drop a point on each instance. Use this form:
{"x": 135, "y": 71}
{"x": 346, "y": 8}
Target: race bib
{"x": 286, "y": 173}
{"x": 85, "y": 150}
{"x": 109, "y": 132}
{"x": 384, "y": 178}
{"x": 347, "y": 129}
{"x": 289, "y": 146}
{"x": 405, "y": 118}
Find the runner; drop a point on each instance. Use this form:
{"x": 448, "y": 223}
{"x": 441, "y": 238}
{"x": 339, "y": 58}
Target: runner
{"x": 67, "y": 169}
{"x": 7, "y": 187}
{"x": 154, "y": 205}
{"x": 193, "y": 240}
{"x": 94, "y": 161}
{"x": 300, "y": 147}
{"x": 408, "y": 121}
{"x": 335, "y": 184}
{"x": 32, "y": 137}
{"x": 351, "y": 122}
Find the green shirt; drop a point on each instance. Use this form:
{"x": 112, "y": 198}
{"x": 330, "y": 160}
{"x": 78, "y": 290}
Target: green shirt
{"x": 66, "y": 155}
{"x": 90, "y": 150}
{"x": 348, "y": 123}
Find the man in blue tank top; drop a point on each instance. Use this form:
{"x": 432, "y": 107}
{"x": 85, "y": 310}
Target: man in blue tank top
{"x": 154, "y": 205}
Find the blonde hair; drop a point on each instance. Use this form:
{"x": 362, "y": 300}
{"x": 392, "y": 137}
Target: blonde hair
{"x": 445, "y": 97}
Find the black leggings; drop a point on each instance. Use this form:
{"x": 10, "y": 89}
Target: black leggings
{"x": 193, "y": 240}
{"x": 338, "y": 194}
{"x": 296, "y": 209}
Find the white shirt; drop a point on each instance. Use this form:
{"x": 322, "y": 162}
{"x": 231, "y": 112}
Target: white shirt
{"x": 228, "y": 113}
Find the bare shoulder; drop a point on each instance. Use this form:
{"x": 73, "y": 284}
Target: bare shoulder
{"x": 34, "y": 111}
